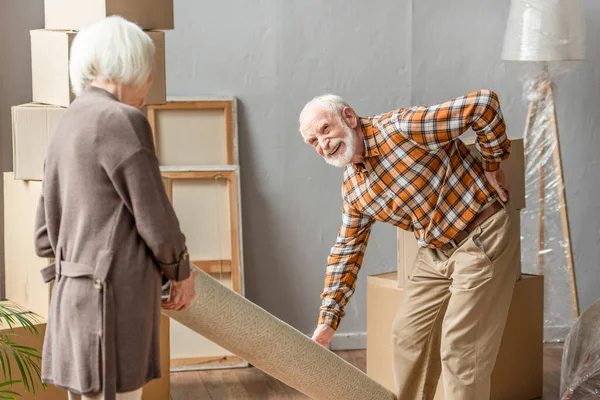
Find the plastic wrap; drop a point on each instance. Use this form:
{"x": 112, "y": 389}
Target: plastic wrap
{"x": 580, "y": 371}
{"x": 545, "y": 240}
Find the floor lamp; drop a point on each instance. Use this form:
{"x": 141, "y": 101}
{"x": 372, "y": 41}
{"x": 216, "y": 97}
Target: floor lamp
{"x": 546, "y": 31}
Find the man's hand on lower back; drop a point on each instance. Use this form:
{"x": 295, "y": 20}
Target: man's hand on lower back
{"x": 498, "y": 181}
{"x": 323, "y": 335}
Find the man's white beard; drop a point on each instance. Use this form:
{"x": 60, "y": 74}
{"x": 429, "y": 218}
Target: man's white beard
{"x": 340, "y": 160}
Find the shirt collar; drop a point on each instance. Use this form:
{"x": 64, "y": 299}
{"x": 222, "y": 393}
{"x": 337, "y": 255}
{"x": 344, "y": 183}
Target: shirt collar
{"x": 370, "y": 137}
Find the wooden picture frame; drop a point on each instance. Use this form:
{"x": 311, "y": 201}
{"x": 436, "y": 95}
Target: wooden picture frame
{"x": 194, "y": 123}
{"x": 233, "y": 265}
{"x": 228, "y": 270}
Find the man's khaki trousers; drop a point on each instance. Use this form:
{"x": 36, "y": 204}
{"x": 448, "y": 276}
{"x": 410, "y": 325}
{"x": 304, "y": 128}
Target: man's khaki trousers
{"x": 453, "y": 312}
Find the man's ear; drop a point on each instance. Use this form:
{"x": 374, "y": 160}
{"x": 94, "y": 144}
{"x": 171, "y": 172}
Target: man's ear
{"x": 349, "y": 117}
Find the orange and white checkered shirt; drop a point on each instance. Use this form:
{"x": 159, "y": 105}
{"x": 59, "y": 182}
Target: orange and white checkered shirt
{"x": 418, "y": 175}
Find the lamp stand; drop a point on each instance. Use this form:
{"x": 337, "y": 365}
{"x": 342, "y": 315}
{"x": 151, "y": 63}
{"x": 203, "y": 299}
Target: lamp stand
{"x": 544, "y": 87}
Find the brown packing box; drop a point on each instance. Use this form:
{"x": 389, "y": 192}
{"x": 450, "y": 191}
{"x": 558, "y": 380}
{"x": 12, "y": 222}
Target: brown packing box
{"x": 50, "y": 67}
{"x": 405, "y": 255}
{"x": 407, "y": 252}
{"x": 24, "y": 284}
{"x": 518, "y": 372}
{"x": 32, "y": 125}
{"x": 76, "y": 14}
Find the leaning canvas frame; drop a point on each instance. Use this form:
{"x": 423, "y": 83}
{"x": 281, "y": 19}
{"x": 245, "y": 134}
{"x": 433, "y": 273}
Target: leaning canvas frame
{"x": 205, "y": 354}
{"x": 226, "y": 105}
{"x": 230, "y": 175}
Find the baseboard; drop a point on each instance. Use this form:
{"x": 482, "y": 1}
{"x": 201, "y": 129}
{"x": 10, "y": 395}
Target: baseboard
{"x": 358, "y": 340}
{"x": 349, "y": 341}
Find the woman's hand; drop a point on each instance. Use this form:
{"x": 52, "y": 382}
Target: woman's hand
{"x": 182, "y": 293}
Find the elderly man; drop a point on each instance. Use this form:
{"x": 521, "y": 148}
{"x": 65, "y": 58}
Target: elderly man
{"x": 409, "y": 167}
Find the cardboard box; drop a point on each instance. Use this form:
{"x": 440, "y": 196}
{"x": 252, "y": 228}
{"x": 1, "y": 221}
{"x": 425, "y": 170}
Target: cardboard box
{"x": 50, "y": 67}
{"x": 24, "y": 284}
{"x": 406, "y": 254}
{"x": 76, "y": 14}
{"x": 29, "y": 339}
{"x": 32, "y": 125}
{"x": 518, "y": 373}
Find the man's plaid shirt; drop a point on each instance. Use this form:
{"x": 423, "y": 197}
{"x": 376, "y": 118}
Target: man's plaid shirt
{"x": 417, "y": 175}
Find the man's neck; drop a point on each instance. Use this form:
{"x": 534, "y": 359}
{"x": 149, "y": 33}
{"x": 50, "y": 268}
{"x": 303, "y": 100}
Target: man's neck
{"x": 359, "y": 156}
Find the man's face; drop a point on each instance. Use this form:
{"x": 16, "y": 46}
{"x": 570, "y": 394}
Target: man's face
{"x": 330, "y": 136}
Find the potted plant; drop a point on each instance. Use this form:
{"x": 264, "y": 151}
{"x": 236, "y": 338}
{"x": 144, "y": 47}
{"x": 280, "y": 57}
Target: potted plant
{"x": 12, "y": 354}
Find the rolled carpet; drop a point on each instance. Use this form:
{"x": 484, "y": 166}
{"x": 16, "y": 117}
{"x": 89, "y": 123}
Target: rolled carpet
{"x": 240, "y": 326}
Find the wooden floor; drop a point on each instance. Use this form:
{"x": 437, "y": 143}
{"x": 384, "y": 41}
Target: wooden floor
{"x": 251, "y": 383}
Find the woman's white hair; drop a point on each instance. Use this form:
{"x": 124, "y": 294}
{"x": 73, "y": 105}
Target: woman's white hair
{"x": 330, "y": 102}
{"x": 111, "y": 49}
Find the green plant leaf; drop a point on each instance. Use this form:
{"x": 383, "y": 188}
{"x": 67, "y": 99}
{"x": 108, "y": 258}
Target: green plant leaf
{"x": 12, "y": 315}
{"x": 8, "y": 383}
{"x": 3, "y": 365}
{"x": 5, "y": 352}
{"x": 21, "y": 367}
{"x": 6, "y": 393}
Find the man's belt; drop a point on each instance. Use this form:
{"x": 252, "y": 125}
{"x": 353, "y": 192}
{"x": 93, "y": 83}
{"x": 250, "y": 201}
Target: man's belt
{"x": 478, "y": 220}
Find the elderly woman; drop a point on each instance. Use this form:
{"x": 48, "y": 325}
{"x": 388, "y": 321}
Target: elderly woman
{"x": 105, "y": 218}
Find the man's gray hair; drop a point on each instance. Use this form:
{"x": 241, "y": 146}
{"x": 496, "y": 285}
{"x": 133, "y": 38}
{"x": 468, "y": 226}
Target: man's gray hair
{"x": 331, "y": 102}
{"x": 112, "y": 49}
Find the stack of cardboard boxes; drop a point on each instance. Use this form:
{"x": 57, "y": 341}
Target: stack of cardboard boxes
{"x": 518, "y": 371}
{"x": 33, "y": 123}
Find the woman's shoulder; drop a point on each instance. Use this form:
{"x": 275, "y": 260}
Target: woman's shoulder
{"x": 127, "y": 116}
{"x": 113, "y": 126}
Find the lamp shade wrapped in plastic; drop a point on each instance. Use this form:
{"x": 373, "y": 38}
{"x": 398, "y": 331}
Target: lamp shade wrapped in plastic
{"x": 544, "y": 30}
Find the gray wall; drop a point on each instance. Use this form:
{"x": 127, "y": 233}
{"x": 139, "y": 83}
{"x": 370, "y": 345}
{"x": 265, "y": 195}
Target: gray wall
{"x": 382, "y": 54}
{"x": 17, "y": 17}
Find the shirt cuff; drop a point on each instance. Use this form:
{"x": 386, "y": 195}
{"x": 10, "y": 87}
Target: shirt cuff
{"x": 329, "y": 318}
{"x": 490, "y": 166}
